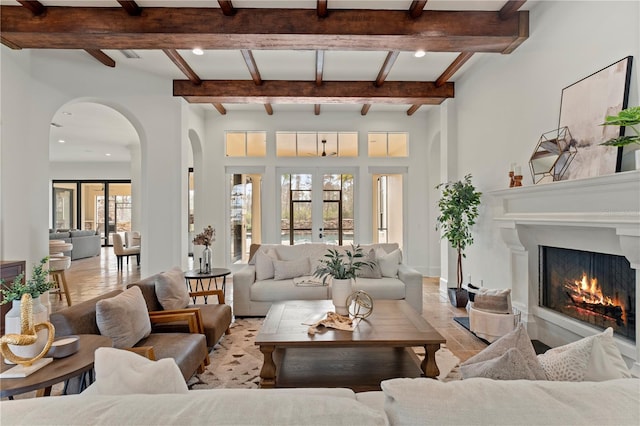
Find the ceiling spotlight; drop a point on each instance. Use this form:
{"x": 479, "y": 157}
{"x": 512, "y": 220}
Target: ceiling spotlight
{"x": 66, "y": 113}
{"x": 61, "y": 141}
{"x": 419, "y": 53}
{"x": 108, "y": 155}
{"x": 198, "y": 51}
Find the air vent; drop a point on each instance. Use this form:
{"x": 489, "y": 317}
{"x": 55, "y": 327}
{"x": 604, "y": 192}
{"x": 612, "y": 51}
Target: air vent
{"x": 56, "y": 124}
{"x": 130, "y": 54}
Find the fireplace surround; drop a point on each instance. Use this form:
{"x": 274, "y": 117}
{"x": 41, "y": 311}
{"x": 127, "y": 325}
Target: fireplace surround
{"x": 600, "y": 215}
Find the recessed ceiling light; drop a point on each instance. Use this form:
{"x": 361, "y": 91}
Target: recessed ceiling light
{"x": 108, "y": 155}
{"x": 419, "y": 53}
{"x": 198, "y": 51}
{"x": 61, "y": 141}
{"x": 66, "y": 113}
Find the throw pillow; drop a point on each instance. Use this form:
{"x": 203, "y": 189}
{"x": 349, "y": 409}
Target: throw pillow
{"x": 496, "y": 301}
{"x": 593, "y": 358}
{"x": 286, "y": 269}
{"x": 372, "y": 270}
{"x": 171, "y": 289}
{"x": 120, "y": 372}
{"x": 124, "y": 318}
{"x": 511, "y": 365}
{"x": 519, "y": 339}
{"x": 264, "y": 264}
{"x": 388, "y": 262}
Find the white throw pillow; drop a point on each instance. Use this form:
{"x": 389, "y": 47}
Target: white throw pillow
{"x": 171, "y": 289}
{"x": 286, "y": 269}
{"x": 593, "y": 358}
{"x": 264, "y": 264}
{"x": 124, "y": 318}
{"x": 371, "y": 270}
{"x": 519, "y": 339}
{"x": 121, "y": 372}
{"x": 388, "y": 262}
{"x": 511, "y": 365}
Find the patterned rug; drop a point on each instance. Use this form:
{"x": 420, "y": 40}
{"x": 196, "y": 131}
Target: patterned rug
{"x": 236, "y": 360}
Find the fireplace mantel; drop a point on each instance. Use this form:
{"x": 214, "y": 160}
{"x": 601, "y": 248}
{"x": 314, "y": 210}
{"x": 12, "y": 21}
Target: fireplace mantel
{"x": 599, "y": 214}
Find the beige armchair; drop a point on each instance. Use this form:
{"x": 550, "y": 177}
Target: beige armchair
{"x": 132, "y": 239}
{"x": 121, "y": 251}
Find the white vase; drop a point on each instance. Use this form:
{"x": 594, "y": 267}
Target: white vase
{"x": 12, "y": 326}
{"x": 340, "y": 291}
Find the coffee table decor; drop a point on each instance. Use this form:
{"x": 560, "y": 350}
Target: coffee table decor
{"x": 360, "y": 304}
{"x": 28, "y": 336}
{"x": 333, "y": 320}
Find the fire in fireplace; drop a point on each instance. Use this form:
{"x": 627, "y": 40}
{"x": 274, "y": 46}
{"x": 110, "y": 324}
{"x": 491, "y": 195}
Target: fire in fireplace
{"x": 595, "y": 288}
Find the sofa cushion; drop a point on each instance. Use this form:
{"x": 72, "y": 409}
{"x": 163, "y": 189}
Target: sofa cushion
{"x": 187, "y": 349}
{"x": 171, "y": 289}
{"x": 519, "y": 339}
{"x": 275, "y": 291}
{"x": 372, "y": 269}
{"x": 121, "y": 372}
{"x": 84, "y": 233}
{"x": 264, "y": 264}
{"x": 286, "y": 269}
{"x": 388, "y": 262}
{"x": 593, "y": 358}
{"x": 381, "y": 288}
{"x": 124, "y": 318}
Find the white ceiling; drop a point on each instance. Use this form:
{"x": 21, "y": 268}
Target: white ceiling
{"x": 92, "y": 131}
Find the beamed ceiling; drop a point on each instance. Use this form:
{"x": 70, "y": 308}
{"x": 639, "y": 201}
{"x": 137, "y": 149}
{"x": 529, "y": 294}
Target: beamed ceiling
{"x": 268, "y": 54}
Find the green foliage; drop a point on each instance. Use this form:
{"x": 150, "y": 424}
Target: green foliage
{"x": 38, "y": 284}
{"x": 341, "y": 266}
{"x": 629, "y": 117}
{"x": 458, "y": 213}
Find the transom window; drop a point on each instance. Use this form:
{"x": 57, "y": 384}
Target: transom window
{"x": 246, "y": 144}
{"x": 317, "y": 144}
{"x": 388, "y": 144}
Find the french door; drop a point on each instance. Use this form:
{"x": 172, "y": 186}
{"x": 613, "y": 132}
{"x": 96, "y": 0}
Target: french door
{"x": 317, "y": 205}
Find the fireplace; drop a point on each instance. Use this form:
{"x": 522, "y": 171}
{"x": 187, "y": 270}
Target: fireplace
{"x": 595, "y": 288}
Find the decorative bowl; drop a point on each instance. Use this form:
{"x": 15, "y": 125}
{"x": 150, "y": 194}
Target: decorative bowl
{"x": 64, "y": 346}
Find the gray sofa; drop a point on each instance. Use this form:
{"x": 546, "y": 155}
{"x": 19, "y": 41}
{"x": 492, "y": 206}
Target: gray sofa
{"x": 253, "y": 296}
{"x": 86, "y": 243}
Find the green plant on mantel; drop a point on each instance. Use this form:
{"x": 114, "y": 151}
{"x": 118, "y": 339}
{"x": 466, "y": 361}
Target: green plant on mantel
{"x": 629, "y": 118}
{"x": 35, "y": 286}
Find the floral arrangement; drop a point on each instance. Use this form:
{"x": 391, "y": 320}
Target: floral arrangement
{"x": 206, "y": 237}
{"x": 38, "y": 283}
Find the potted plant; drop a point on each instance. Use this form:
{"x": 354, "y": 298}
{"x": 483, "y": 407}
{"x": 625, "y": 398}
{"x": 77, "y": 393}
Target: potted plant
{"x": 629, "y": 117}
{"x": 458, "y": 213}
{"x": 342, "y": 268}
{"x": 37, "y": 285}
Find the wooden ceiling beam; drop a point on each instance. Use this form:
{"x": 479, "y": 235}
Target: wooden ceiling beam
{"x": 101, "y": 57}
{"x": 415, "y": 10}
{"x": 182, "y": 28}
{"x": 510, "y": 8}
{"x": 319, "y": 66}
{"x": 413, "y": 109}
{"x": 221, "y": 109}
{"x": 386, "y": 67}
{"x": 131, "y": 7}
{"x": 365, "y": 109}
{"x": 322, "y": 8}
{"x": 35, "y": 7}
{"x": 182, "y": 65}
{"x": 252, "y": 66}
{"x": 453, "y": 68}
{"x": 306, "y": 92}
{"x": 268, "y": 108}
{"x": 227, "y": 7}
{"x": 523, "y": 32}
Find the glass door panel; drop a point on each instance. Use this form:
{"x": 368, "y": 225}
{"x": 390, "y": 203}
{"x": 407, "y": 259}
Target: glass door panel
{"x": 119, "y": 208}
{"x": 64, "y": 195}
{"x": 245, "y": 215}
{"x": 92, "y": 208}
{"x": 387, "y": 208}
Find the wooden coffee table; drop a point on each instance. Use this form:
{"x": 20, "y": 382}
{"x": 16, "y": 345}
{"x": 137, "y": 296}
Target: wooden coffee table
{"x": 378, "y": 349}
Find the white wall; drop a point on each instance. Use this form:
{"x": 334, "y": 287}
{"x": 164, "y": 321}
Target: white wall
{"x": 60, "y": 170}
{"x": 417, "y": 220}
{"x": 506, "y": 102}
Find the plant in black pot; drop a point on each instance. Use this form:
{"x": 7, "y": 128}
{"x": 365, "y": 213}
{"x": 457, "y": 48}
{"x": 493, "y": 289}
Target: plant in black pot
{"x": 458, "y": 213}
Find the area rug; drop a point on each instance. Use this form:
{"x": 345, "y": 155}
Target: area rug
{"x": 236, "y": 360}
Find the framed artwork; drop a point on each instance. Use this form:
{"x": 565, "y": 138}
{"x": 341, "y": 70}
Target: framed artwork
{"x": 584, "y": 106}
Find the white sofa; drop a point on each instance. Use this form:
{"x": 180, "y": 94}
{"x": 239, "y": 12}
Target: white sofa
{"x": 477, "y": 401}
{"x": 253, "y": 297}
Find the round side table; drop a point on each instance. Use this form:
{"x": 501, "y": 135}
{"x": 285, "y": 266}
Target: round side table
{"x": 200, "y": 277}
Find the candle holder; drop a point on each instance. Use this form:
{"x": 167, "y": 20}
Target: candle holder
{"x": 511, "y": 180}
{"x": 517, "y": 180}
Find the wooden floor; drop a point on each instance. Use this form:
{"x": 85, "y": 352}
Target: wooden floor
{"x": 88, "y": 278}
